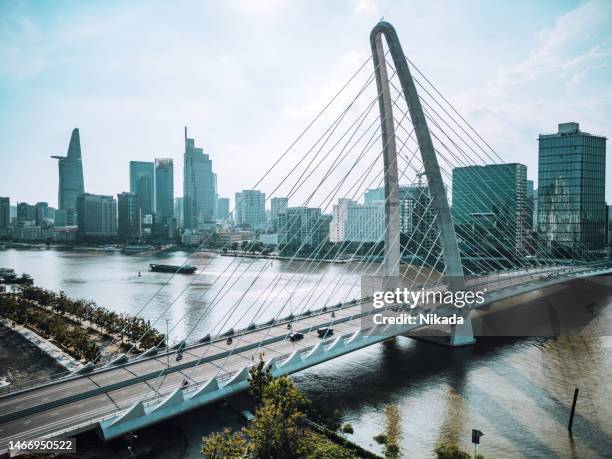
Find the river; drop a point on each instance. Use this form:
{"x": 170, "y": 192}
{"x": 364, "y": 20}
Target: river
{"x": 517, "y": 391}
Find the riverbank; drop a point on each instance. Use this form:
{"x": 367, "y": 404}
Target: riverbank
{"x": 280, "y": 257}
{"x": 60, "y": 356}
{"x": 22, "y": 362}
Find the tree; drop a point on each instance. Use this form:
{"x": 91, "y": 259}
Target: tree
{"x": 224, "y": 445}
{"x": 277, "y": 428}
{"x": 444, "y": 451}
{"x": 259, "y": 378}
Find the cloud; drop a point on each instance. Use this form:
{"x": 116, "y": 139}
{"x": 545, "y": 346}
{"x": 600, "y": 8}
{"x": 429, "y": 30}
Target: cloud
{"x": 366, "y": 8}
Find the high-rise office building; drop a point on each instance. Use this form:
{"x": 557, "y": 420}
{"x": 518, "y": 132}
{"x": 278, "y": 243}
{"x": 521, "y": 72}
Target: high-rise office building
{"x": 41, "y": 210}
{"x": 609, "y": 226}
{"x": 251, "y": 209}
{"x": 178, "y": 213}
{"x": 70, "y": 177}
{"x": 339, "y": 219}
{"x": 417, "y": 217}
{"x": 571, "y": 192}
{"x": 129, "y": 220}
{"x": 223, "y": 209}
{"x": 490, "y": 205}
{"x": 374, "y": 195}
{"x": 96, "y": 215}
{"x": 198, "y": 187}
{"x": 303, "y": 228}
{"x": 365, "y": 223}
{"x": 277, "y": 206}
{"x": 216, "y": 198}
{"x": 5, "y": 212}
{"x": 142, "y": 182}
{"x": 164, "y": 195}
{"x": 26, "y": 214}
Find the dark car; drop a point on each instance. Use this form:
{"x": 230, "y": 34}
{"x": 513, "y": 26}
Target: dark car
{"x": 325, "y": 332}
{"x": 293, "y": 337}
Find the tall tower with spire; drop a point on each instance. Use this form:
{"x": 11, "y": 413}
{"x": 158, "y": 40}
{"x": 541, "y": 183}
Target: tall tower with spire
{"x": 70, "y": 176}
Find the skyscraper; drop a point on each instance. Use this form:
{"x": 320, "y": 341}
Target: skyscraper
{"x": 571, "y": 192}
{"x": 339, "y": 218}
{"x": 250, "y": 209}
{"x": 490, "y": 204}
{"x": 41, "y": 210}
{"x": 198, "y": 187}
{"x": 142, "y": 182}
{"x": 96, "y": 215}
{"x": 5, "y": 212}
{"x": 277, "y": 206}
{"x": 164, "y": 188}
{"x": 178, "y": 212}
{"x": 364, "y": 223}
{"x": 70, "y": 177}
{"x": 223, "y": 209}
{"x": 128, "y": 216}
{"x": 26, "y": 214}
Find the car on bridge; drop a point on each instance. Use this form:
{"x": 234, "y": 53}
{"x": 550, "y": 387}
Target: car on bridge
{"x": 325, "y": 332}
{"x": 293, "y": 337}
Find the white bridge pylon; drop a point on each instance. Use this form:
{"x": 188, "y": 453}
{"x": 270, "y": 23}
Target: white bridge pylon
{"x": 460, "y": 334}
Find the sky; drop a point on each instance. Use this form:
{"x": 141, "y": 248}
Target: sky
{"x": 247, "y": 76}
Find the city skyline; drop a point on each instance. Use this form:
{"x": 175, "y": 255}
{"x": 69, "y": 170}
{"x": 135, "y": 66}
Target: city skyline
{"x": 554, "y": 72}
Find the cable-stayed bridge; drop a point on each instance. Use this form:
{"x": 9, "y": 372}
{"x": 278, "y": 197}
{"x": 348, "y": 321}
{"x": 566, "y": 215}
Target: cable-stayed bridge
{"x": 350, "y": 147}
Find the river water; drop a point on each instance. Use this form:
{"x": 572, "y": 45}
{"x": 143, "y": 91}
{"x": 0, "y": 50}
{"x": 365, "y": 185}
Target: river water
{"x": 517, "y": 391}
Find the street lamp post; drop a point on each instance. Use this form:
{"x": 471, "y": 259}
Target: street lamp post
{"x": 167, "y": 346}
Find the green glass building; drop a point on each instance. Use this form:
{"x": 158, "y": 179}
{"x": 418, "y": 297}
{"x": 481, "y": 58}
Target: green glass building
{"x": 490, "y": 210}
{"x": 571, "y": 193}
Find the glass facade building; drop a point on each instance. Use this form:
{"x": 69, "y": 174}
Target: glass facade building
{"x": 198, "y": 187}
{"x": 164, "y": 196}
{"x": 142, "y": 182}
{"x": 5, "y": 212}
{"x": 223, "y": 209}
{"x": 251, "y": 209}
{"x": 303, "y": 229}
{"x": 128, "y": 216}
{"x": 490, "y": 208}
{"x": 96, "y": 216}
{"x": 418, "y": 229}
{"x": 71, "y": 182}
{"x": 571, "y": 193}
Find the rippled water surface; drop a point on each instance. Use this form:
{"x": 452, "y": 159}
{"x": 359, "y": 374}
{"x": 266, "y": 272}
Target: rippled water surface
{"x": 518, "y": 391}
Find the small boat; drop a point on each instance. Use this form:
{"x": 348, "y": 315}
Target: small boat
{"x": 186, "y": 269}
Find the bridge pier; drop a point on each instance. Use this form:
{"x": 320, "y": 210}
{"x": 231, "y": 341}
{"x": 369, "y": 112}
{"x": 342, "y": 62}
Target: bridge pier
{"x": 462, "y": 335}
